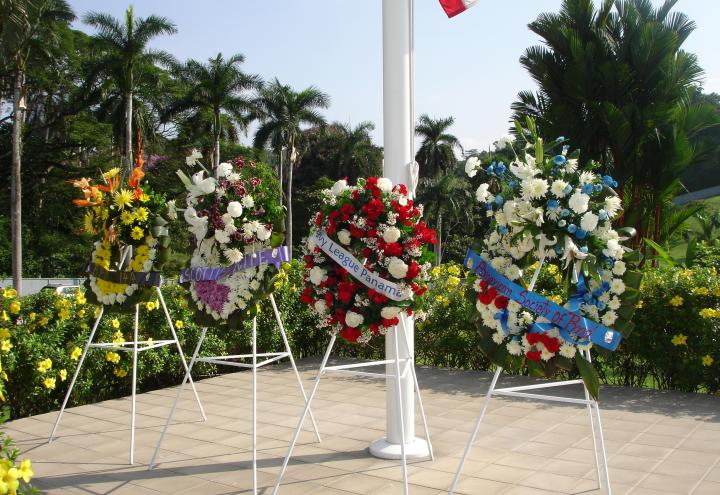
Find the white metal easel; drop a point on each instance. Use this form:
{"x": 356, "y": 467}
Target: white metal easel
{"x": 520, "y": 391}
{"x": 135, "y": 346}
{"x": 396, "y": 376}
{"x": 235, "y": 360}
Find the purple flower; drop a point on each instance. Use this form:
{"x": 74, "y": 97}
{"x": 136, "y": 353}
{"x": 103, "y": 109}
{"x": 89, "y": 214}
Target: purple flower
{"x": 212, "y": 294}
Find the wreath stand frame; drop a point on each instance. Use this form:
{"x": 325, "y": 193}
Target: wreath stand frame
{"x": 407, "y": 363}
{"x": 591, "y": 404}
{"x": 254, "y": 365}
{"x": 130, "y": 346}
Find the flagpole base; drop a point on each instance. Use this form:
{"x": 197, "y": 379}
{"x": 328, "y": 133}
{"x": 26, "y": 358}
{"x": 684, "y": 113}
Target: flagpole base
{"x": 417, "y": 448}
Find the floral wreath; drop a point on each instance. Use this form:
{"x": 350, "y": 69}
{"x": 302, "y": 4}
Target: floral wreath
{"x": 234, "y": 216}
{"x": 380, "y": 226}
{"x": 550, "y": 228}
{"x": 129, "y": 219}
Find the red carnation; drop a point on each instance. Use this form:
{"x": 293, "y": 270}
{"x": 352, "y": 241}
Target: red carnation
{"x": 350, "y": 334}
{"x": 501, "y": 302}
{"x": 306, "y": 296}
{"x": 346, "y": 290}
{"x": 413, "y": 270}
{"x": 329, "y": 300}
{"x": 356, "y": 232}
{"x": 533, "y": 338}
{"x": 389, "y": 323}
{"x": 418, "y": 290}
{"x": 533, "y": 355}
{"x": 347, "y": 210}
{"x": 374, "y": 208}
{"x": 552, "y": 344}
{"x": 393, "y": 249}
{"x": 488, "y": 296}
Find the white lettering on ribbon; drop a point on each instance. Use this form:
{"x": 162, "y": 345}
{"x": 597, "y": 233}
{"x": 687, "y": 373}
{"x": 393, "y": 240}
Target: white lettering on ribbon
{"x": 346, "y": 260}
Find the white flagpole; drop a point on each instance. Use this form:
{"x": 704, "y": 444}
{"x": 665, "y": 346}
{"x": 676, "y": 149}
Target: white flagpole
{"x": 398, "y": 139}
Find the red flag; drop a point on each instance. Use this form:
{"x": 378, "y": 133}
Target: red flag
{"x": 455, "y": 7}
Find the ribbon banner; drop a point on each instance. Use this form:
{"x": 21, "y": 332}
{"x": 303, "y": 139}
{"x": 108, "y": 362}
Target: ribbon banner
{"x": 369, "y": 278}
{"x": 573, "y": 327}
{"x": 273, "y": 256}
{"x": 142, "y": 279}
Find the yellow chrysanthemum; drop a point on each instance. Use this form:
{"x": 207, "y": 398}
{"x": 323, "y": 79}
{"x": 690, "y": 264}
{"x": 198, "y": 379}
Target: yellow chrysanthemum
{"x": 179, "y": 324}
{"x": 115, "y": 323}
{"x": 137, "y": 233}
{"x": 454, "y": 270}
{"x": 126, "y": 218}
{"x": 88, "y": 223}
{"x": 679, "y": 339}
{"x": 452, "y": 281}
{"x": 707, "y": 360}
{"x": 123, "y": 198}
{"x": 49, "y": 383}
{"x": 75, "y": 353}
{"x": 141, "y": 214}
{"x": 112, "y": 357}
{"x": 144, "y": 198}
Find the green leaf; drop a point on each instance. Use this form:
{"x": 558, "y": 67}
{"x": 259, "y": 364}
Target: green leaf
{"x": 662, "y": 254}
{"x": 589, "y": 375}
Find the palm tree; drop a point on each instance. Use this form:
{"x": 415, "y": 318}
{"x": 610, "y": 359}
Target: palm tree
{"x": 220, "y": 87}
{"x": 282, "y": 111}
{"x": 125, "y": 56}
{"x": 29, "y": 28}
{"x": 355, "y": 153}
{"x": 437, "y": 151}
{"x": 615, "y": 81}
{"x": 446, "y": 197}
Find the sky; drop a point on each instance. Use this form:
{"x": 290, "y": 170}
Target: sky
{"x": 467, "y": 67}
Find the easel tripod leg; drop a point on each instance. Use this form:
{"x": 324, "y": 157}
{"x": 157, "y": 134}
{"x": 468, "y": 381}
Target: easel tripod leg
{"x": 292, "y": 363}
{"x": 468, "y": 447}
{"x": 188, "y": 376}
{"x": 134, "y": 384}
{"x": 177, "y": 398}
{"x": 75, "y": 375}
{"x": 254, "y": 404}
{"x": 296, "y": 434}
{"x": 417, "y": 390}
{"x": 400, "y": 409}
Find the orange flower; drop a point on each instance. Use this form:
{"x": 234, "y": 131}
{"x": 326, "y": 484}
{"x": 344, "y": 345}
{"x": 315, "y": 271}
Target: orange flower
{"x": 83, "y": 183}
{"x": 136, "y": 176}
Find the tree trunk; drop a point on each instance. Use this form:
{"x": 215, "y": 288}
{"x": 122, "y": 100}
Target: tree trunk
{"x": 128, "y": 131}
{"x": 216, "y": 139}
{"x": 438, "y": 246}
{"x": 288, "y": 233}
{"x": 15, "y": 183}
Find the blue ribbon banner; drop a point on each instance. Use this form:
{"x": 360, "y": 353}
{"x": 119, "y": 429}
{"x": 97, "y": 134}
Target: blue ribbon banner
{"x": 346, "y": 260}
{"x": 572, "y": 326}
{"x": 273, "y": 256}
{"x": 143, "y": 279}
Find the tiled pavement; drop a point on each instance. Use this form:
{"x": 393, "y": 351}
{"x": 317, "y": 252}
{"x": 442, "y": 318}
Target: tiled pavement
{"x": 658, "y": 443}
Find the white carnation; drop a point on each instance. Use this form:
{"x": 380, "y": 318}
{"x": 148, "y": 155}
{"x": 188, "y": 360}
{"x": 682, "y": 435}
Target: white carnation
{"x": 321, "y": 306}
{"x": 384, "y": 184}
{"x": 317, "y": 275}
{"x": 471, "y": 166}
{"x": 353, "y": 319}
{"x": 263, "y": 233}
{"x": 589, "y": 221}
{"x": 578, "y": 202}
{"x": 390, "y": 312}
{"x": 397, "y": 267}
{"x": 339, "y": 187}
{"x": 344, "y": 236}
{"x": 235, "y": 209}
{"x": 391, "y": 235}
{"x": 482, "y": 193}
{"x": 222, "y": 237}
{"x": 223, "y": 170}
{"x": 619, "y": 267}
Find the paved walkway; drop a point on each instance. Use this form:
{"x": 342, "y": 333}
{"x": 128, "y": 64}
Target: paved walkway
{"x": 658, "y": 443}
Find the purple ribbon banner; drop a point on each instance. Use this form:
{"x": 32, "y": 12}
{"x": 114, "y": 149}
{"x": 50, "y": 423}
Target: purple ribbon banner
{"x": 143, "y": 279}
{"x": 273, "y": 256}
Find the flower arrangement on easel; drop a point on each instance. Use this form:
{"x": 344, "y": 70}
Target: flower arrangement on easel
{"x": 552, "y": 222}
{"x": 129, "y": 223}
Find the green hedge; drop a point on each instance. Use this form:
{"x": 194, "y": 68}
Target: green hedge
{"x": 46, "y": 326}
